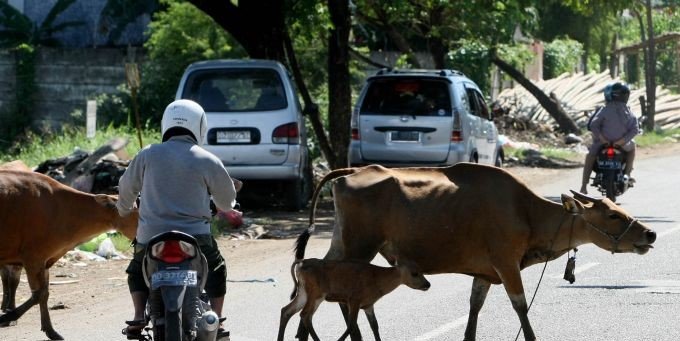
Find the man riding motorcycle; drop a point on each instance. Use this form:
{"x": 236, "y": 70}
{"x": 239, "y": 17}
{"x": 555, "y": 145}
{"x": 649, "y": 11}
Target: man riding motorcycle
{"x": 614, "y": 124}
{"x": 175, "y": 181}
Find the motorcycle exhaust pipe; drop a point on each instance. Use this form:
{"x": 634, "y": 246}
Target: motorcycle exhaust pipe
{"x": 207, "y": 326}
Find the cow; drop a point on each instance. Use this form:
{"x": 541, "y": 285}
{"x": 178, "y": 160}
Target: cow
{"x": 469, "y": 219}
{"x": 10, "y": 274}
{"x": 40, "y": 220}
{"x": 357, "y": 285}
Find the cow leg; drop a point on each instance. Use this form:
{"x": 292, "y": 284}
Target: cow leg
{"x": 480, "y": 288}
{"x": 291, "y": 309}
{"x": 307, "y": 314}
{"x": 512, "y": 281}
{"x": 372, "y": 321}
{"x": 352, "y": 325}
{"x": 39, "y": 282}
{"x": 10, "y": 275}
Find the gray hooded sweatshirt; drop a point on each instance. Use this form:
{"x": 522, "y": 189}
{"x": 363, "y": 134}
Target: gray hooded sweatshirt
{"x": 176, "y": 179}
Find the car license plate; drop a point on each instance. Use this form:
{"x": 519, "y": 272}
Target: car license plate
{"x": 404, "y": 136}
{"x": 608, "y": 164}
{"x": 174, "y": 278}
{"x": 233, "y": 136}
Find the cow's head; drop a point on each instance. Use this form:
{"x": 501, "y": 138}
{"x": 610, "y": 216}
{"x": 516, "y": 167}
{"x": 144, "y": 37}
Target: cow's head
{"x": 609, "y": 226}
{"x": 411, "y": 276}
{"x": 126, "y": 225}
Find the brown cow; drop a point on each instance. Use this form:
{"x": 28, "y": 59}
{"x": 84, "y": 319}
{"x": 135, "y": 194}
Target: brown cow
{"x": 40, "y": 220}
{"x": 10, "y": 274}
{"x": 357, "y": 285}
{"x": 470, "y": 219}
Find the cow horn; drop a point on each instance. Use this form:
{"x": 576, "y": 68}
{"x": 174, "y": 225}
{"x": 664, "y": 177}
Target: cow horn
{"x": 583, "y": 197}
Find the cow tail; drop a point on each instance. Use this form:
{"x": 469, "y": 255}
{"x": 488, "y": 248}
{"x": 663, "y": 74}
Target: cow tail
{"x": 330, "y": 176}
{"x": 301, "y": 243}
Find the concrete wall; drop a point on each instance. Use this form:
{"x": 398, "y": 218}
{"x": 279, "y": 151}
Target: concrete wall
{"x": 66, "y": 79}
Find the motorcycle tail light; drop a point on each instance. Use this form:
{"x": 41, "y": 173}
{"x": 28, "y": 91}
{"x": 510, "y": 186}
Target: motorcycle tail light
{"x": 610, "y": 152}
{"x": 173, "y": 251}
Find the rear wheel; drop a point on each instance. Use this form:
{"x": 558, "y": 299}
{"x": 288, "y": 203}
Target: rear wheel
{"x": 609, "y": 184}
{"x": 173, "y": 326}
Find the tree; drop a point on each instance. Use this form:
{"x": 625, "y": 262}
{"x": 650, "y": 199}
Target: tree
{"x": 18, "y": 29}
{"x": 488, "y": 22}
{"x": 260, "y": 27}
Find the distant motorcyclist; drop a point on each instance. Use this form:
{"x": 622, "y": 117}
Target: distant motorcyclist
{"x": 615, "y": 124}
{"x": 177, "y": 179}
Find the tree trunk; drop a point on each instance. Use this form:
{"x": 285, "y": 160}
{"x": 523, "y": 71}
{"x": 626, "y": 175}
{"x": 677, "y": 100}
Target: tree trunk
{"x": 339, "y": 91}
{"x": 260, "y": 32}
{"x": 650, "y": 69}
{"x": 311, "y": 109}
{"x": 565, "y": 123}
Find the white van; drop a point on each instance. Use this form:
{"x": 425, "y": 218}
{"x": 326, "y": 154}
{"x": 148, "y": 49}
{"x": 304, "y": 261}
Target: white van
{"x": 422, "y": 118}
{"x": 255, "y": 125}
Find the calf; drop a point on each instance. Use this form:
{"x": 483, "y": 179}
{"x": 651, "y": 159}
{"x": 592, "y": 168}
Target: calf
{"x": 356, "y": 285}
{"x": 40, "y": 220}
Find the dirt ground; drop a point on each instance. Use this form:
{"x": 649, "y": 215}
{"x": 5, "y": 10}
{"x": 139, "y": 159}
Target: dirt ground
{"x": 74, "y": 284}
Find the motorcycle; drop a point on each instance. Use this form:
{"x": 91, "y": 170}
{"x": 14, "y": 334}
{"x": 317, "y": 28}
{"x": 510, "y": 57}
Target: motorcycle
{"x": 176, "y": 271}
{"x": 609, "y": 178}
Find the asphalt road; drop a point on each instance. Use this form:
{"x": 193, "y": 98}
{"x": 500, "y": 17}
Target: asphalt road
{"x": 622, "y": 297}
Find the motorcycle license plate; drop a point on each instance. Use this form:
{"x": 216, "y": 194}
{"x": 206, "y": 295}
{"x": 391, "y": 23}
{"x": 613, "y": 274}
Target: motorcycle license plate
{"x": 608, "y": 164}
{"x": 163, "y": 278}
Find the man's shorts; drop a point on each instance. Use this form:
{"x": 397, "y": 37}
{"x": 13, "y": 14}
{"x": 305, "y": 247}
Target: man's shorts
{"x": 216, "y": 285}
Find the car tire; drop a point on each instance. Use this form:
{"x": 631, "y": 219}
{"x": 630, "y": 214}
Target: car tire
{"x": 299, "y": 191}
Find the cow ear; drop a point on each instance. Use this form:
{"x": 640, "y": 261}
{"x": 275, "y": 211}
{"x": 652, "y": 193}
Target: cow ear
{"x": 572, "y": 205}
{"x": 106, "y": 200}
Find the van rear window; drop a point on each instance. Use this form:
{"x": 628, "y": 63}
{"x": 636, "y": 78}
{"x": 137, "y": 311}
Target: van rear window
{"x": 234, "y": 89}
{"x": 415, "y": 97}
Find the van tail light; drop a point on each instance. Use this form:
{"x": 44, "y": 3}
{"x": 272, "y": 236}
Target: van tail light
{"x": 286, "y": 134}
{"x": 456, "y": 131}
{"x": 355, "y": 134}
{"x": 173, "y": 251}
{"x": 456, "y": 136}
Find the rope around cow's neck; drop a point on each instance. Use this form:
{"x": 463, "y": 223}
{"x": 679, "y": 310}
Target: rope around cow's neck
{"x": 547, "y": 259}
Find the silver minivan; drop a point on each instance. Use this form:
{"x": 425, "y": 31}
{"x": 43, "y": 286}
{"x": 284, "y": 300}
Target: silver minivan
{"x": 422, "y": 118}
{"x": 255, "y": 125}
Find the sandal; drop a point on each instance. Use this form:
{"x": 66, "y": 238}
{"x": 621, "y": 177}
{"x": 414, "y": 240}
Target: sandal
{"x": 222, "y": 334}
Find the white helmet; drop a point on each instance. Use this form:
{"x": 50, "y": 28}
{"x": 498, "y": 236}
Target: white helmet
{"x": 186, "y": 114}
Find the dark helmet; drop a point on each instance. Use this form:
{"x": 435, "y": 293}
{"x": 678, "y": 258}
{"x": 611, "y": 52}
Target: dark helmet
{"x": 620, "y": 92}
{"x": 608, "y": 93}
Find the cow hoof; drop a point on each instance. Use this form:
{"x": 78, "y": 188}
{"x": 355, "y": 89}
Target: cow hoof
{"x": 8, "y": 317}
{"x": 53, "y": 335}
{"x": 8, "y": 324}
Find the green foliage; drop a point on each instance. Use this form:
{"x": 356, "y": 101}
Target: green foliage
{"x": 36, "y": 149}
{"x": 178, "y": 36}
{"x": 22, "y": 106}
{"x": 561, "y": 56}
{"x": 473, "y": 60}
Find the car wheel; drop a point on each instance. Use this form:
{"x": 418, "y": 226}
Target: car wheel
{"x": 299, "y": 191}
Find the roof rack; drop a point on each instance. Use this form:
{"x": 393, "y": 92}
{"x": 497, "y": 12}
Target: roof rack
{"x": 441, "y": 72}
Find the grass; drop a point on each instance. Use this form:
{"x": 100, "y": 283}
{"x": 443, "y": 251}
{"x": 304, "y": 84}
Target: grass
{"x": 39, "y": 149}
{"x": 658, "y": 137}
{"x": 645, "y": 140}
